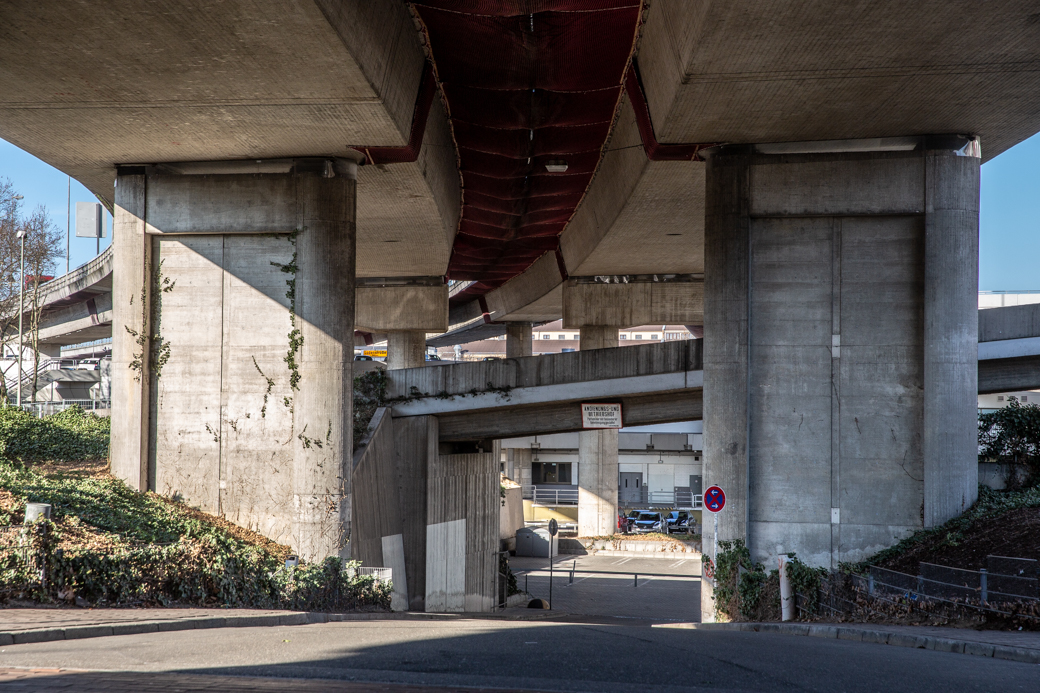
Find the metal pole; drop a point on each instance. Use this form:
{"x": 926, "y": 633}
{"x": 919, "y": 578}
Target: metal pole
{"x": 550, "y": 573}
{"x": 21, "y": 309}
{"x": 68, "y": 228}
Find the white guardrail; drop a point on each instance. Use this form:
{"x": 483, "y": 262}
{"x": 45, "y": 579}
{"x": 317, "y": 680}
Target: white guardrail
{"x": 550, "y": 496}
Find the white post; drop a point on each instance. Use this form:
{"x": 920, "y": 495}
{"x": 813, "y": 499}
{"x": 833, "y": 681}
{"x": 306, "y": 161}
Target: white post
{"x": 21, "y": 309}
{"x": 786, "y": 593}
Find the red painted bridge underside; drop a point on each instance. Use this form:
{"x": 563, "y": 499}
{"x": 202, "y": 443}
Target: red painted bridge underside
{"x": 526, "y": 82}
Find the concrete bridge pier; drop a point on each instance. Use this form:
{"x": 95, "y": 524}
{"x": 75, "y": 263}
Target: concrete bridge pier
{"x": 840, "y": 333}
{"x": 597, "y": 457}
{"x": 405, "y": 309}
{"x": 518, "y": 340}
{"x": 233, "y": 340}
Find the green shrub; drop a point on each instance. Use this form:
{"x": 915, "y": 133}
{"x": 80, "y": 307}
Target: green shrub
{"x": 369, "y": 395}
{"x": 745, "y": 592}
{"x": 67, "y": 436}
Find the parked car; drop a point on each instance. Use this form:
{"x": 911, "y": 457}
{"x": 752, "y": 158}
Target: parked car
{"x": 677, "y": 521}
{"x": 647, "y": 522}
{"x": 362, "y": 357}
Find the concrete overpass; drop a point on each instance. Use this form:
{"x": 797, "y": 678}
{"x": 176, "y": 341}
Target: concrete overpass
{"x": 558, "y": 159}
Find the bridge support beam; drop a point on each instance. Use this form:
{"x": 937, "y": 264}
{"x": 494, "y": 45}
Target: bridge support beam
{"x": 840, "y": 344}
{"x": 233, "y": 325}
{"x": 405, "y": 309}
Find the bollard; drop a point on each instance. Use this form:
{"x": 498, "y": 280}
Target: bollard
{"x": 984, "y": 584}
{"x": 37, "y": 511}
{"x": 636, "y": 583}
{"x": 870, "y": 584}
{"x": 571, "y": 582}
{"x": 786, "y": 593}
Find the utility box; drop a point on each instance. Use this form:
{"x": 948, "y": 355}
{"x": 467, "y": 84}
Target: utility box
{"x": 536, "y": 542}
{"x": 88, "y": 220}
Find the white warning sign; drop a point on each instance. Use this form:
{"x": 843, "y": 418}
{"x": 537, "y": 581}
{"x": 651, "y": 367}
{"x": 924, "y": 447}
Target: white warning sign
{"x": 601, "y": 415}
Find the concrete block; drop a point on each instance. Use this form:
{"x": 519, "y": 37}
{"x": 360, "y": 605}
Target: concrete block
{"x": 134, "y": 628}
{"x": 855, "y": 634}
{"x": 215, "y": 622}
{"x": 904, "y": 640}
{"x": 795, "y": 629}
{"x": 1017, "y": 654}
{"x": 298, "y": 619}
{"x": 6, "y": 639}
{"x": 182, "y": 624}
{"x": 385, "y": 308}
{"x": 979, "y": 649}
{"x": 823, "y": 632}
{"x": 77, "y": 632}
{"x": 945, "y": 645}
{"x": 41, "y": 635}
{"x": 878, "y": 637}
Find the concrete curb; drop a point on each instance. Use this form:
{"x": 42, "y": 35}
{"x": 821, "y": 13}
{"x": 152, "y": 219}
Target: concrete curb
{"x": 19, "y": 637}
{"x": 880, "y": 637}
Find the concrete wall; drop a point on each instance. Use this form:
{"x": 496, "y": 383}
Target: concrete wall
{"x": 839, "y": 383}
{"x": 463, "y": 522}
{"x": 205, "y": 405}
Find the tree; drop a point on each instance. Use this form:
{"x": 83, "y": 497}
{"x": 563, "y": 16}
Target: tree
{"x": 1011, "y": 438}
{"x": 42, "y": 247}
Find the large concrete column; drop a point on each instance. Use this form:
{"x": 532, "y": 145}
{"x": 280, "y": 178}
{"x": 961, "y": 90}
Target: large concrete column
{"x": 323, "y": 407}
{"x": 131, "y": 320}
{"x": 951, "y": 266}
{"x": 518, "y": 340}
{"x": 597, "y": 458}
{"x": 840, "y": 343}
{"x": 233, "y": 339}
{"x": 405, "y": 349}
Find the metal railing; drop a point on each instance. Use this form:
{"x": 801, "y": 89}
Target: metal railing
{"x": 48, "y": 408}
{"x": 547, "y": 495}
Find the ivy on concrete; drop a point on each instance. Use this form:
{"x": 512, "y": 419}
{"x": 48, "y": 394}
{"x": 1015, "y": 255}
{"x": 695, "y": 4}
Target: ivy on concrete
{"x": 267, "y": 392}
{"x": 295, "y": 334}
{"x": 156, "y": 347}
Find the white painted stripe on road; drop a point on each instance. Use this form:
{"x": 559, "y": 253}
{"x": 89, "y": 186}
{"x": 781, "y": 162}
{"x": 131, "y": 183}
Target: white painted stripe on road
{"x": 1009, "y": 348}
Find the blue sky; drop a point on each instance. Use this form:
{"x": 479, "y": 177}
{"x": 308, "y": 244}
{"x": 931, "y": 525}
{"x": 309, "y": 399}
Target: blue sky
{"x": 1009, "y": 227}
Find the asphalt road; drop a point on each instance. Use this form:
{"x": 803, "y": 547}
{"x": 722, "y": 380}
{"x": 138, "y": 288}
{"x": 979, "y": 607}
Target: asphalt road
{"x": 543, "y": 656}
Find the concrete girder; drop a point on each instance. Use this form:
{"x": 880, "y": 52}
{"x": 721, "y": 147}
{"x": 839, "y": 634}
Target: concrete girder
{"x": 748, "y": 71}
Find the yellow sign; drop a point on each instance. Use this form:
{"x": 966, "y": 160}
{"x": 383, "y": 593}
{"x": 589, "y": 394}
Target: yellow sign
{"x": 381, "y": 353}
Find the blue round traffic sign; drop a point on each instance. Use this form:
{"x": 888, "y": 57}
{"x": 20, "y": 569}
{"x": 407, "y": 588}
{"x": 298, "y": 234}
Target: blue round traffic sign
{"x": 714, "y": 499}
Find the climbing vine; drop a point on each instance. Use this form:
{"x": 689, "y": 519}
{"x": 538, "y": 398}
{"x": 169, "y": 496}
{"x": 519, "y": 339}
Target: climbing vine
{"x": 295, "y": 334}
{"x": 159, "y": 350}
{"x": 267, "y": 392}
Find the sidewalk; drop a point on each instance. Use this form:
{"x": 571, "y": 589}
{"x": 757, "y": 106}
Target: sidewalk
{"x": 1017, "y": 646}
{"x": 18, "y": 626}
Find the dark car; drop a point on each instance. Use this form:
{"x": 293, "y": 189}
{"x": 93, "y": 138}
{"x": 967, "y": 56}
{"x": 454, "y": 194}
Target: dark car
{"x": 647, "y": 522}
{"x": 362, "y": 357}
{"x": 678, "y": 521}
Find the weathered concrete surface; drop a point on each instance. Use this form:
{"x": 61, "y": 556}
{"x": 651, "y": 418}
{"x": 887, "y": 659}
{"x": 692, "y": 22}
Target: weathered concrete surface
{"x": 405, "y": 349}
{"x": 225, "y": 424}
{"x": 518, "y": 340}
{"x": 462, "y": 533}
{"x": 824, "y": 334}
{"x": 402, "y": 307}
{"x": 642, "y": 301}
{"x": 598, "y": 450}
{"x": 131, "y": 343}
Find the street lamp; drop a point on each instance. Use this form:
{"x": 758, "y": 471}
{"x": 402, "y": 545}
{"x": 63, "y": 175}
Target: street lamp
{"x": 20, "y": 235}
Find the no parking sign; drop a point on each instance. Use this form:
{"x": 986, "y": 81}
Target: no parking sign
{"x": 714, "y": 499}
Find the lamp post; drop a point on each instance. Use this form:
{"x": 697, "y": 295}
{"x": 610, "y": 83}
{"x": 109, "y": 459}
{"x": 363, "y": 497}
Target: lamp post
{"x": 20, "y": 234}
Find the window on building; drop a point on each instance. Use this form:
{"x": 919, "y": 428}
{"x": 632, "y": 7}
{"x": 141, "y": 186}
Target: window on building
{"x": 622, "y": 336}
{"x": 560, "y": 336}
{"x": 1000, "y": 398}
{"x": 550, "y": 473}
{"x": 1025, "y": 398}
{"x": 655, "y": 336}
{"x": 638, "y": 336}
